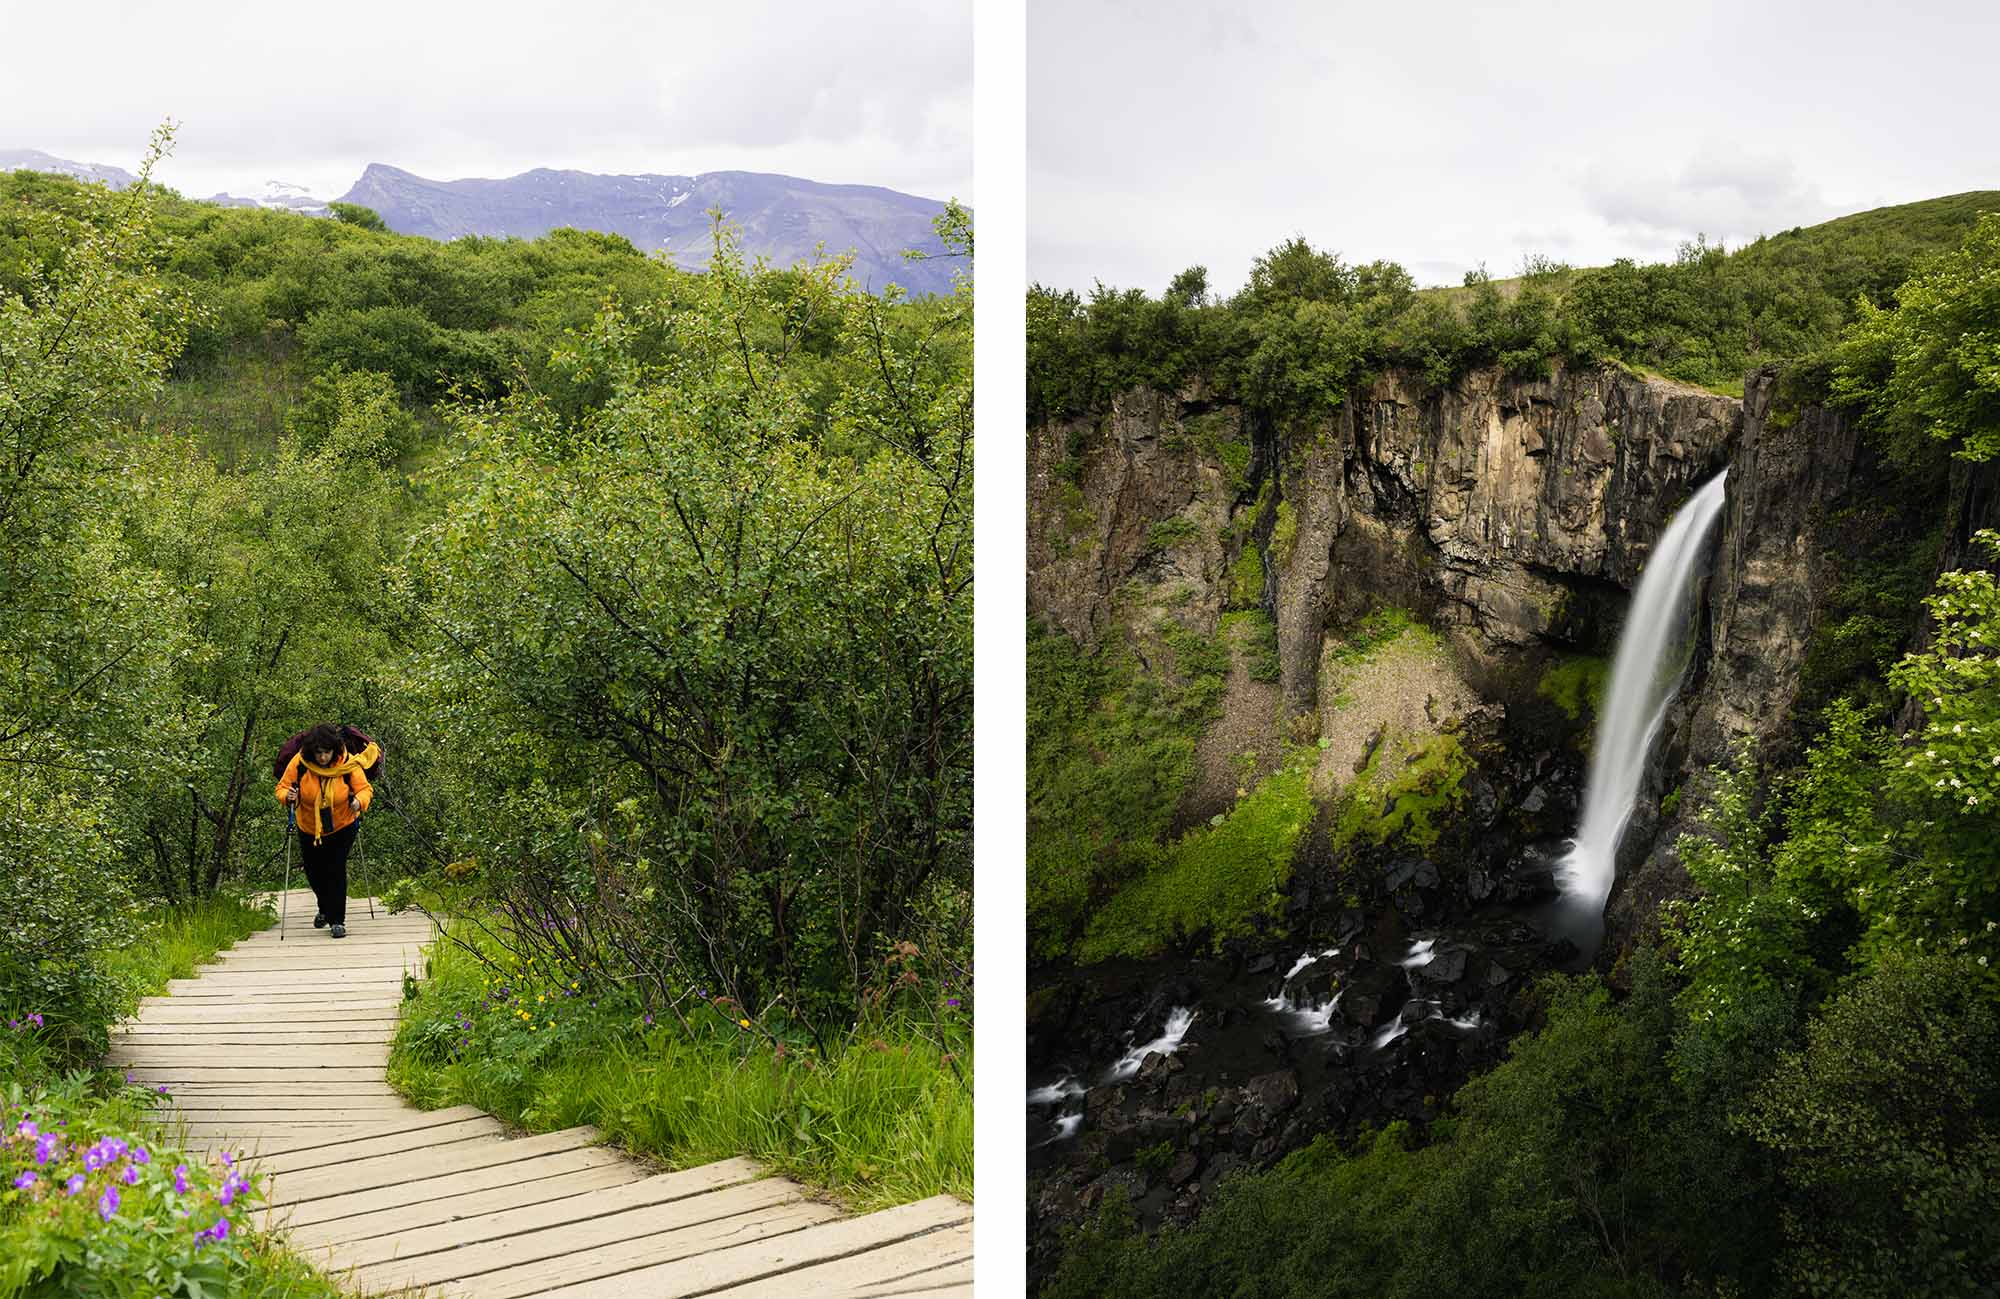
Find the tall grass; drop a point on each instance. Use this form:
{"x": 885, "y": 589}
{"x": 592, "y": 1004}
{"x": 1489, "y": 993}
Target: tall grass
{"x": 882, "y": 1119}
{"x": 173, "y": 941}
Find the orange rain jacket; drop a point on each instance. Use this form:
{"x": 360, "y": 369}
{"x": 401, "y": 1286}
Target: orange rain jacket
{"x": 329, "y": 787}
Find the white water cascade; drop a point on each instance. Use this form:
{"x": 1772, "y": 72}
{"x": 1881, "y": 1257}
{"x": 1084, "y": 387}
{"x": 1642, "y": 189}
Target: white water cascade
{"x": 1168, "y": 1042}
{"x": 1645, "y": 675}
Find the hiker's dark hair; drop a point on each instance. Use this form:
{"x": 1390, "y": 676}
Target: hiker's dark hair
{"x": 324, "y": 736}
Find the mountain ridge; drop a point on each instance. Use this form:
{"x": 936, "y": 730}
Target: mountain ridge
{"x": 783, "y": 219}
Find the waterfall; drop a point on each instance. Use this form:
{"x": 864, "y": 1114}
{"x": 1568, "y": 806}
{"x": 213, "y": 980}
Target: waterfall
{"x": 1645, "y": 675}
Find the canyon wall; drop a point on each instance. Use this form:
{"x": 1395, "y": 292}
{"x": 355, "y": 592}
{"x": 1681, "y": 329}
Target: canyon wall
{"x": 1514, "y": 515}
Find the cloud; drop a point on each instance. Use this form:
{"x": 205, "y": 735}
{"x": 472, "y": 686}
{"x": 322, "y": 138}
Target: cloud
{"x": 879, "y": 94}
{"x": 1723, "y": 190}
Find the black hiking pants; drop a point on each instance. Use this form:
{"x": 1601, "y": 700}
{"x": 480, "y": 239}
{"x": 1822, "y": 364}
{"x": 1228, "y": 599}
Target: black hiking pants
{"x": 326, "y": 869}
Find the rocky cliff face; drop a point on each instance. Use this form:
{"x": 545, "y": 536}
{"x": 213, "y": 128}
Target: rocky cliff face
{"x": 1513, "y": 514}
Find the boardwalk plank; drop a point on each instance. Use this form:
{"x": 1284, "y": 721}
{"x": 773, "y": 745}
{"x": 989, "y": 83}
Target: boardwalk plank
{"x": 742, "y": 1264}
{"x": 954, "y": 1279}
{"x": 412, "y": 1121}
{"x": 871, "y": 1269}
{"x": 376, "y": 1171}
{"x": 373, "y": 1141}
{"x": 658, "y": 1232}
{"x": 663, "y": 1188}
{"x": 327, "y": 1208}
{"x": 276, "y": 1050}
{"x": 451, "y": 1209}
{"x": 610, "y": 1264}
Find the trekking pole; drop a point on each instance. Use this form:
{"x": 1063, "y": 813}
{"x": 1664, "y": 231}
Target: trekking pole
{"x": 360, "y": 864}
{"x": 284, "y": 898}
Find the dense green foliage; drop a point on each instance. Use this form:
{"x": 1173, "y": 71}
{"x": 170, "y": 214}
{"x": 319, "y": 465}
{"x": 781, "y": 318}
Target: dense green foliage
{"x": 1927, "y": 367}
{"x": 1307, "y": 327}
{"x": 656, "y": 586}
{"x": 698, "y": 679}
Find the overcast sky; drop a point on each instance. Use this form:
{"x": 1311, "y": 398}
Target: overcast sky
{"x": 1168, "y": 133}
{"x": 876, "y": 94}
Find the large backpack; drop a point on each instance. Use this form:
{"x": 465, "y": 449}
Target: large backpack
{"x": 352, "y": 737}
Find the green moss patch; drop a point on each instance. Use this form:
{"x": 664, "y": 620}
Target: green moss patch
{"x": 1110, "y": 752}
{"x": 1246, "y": 578}
{"x": 1410, "y": 784}
{"x": 1168, "y": 533}
{"x": 1575, "y": 685}
{"x": 1218, "y": 879}
{"x": 1284, "y": 535}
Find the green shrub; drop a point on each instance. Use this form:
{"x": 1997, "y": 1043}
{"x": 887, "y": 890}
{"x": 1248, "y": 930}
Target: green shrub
{"x": 1887, "y": 1127}
{"x": 1110, "y": 752}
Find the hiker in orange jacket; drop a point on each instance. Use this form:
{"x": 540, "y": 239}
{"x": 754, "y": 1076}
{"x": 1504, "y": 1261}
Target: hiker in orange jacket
{"x": 329, "y": 790}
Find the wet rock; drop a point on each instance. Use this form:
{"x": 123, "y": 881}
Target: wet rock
{"x": 1274, "y": 1093}
{"x": 1446, "y": 966}
{"x": 1414, "y": 871}
{"x": 1218, "y": 1168}
{"x": 1183, "y": 1168}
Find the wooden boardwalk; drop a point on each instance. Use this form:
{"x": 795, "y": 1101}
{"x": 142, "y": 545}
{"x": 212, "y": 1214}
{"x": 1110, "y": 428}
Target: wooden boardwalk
{"x": 277, "y": 1051}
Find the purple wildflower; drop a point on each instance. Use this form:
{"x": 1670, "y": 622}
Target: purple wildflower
{"x": 35, "y": 1018}
{"x": 46, "y": 1147}
{"x": 162, "y": 1089}
{"x": 218, "y": 1231}
{"x": 952, "y": 1002}
{"x": 131, "y": 1177}
{"x": 25, "y": 1180}
{"x": 142, "y": 1156}
{"x": 27, "y": 1128}
{"x": 107, "y": 1203}
{"x": 180, "y": 1179}
{"x": 75, "y": 1183}
{"x": 227, "y": 1162}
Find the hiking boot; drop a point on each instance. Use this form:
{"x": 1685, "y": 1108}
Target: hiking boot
{"x": 339, "y": 930}
{"x": 319, "y": 920}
